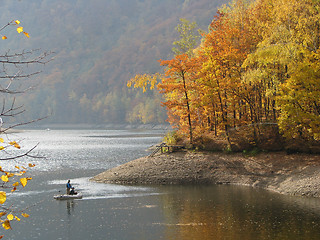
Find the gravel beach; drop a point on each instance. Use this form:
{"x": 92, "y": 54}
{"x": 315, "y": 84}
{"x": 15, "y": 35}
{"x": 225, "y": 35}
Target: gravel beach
{"x": 293, "y": 174}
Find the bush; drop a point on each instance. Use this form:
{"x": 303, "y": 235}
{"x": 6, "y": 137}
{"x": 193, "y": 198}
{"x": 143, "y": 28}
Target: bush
{"x": 172, "y": 138}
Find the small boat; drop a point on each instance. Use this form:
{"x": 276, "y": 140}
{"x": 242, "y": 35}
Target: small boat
{"x": 68, "y": 197}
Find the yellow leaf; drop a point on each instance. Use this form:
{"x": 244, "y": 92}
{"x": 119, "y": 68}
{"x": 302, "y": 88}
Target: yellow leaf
{"x": 17, "y": 167}
{"x": 1, "y": 148}
{"x": 4, "y": 37}
{"x": 4, "y": 178}
{"x": 17, "y": 22}
{"x": 23, "y": 181}
{"x": 31, "y": 165}
{"x": 2, "y": 214}
{"x": 1, "y": 140}
{"x": 6, "y": 225}
{"x": 20, "y": 29}
{"x": 16, "y": 184}
{"x": 18, "y": 219}
{"x": 3, "y": 197}
{"x": 13, "y": 189}
{"x": 10, "y": 175}
{"x": 12, "y": 143}
{"x": 25, "y": 215}
{"x": 27, "y": 34}
{"x": 29, "y": 178}
{"x": 10, "y": 217}
{"x": 16, "y": 145}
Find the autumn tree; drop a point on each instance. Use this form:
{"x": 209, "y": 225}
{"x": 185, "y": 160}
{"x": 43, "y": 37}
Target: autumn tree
{"x": 284, "y": 66}
{"x": 12, "y": 75}
{"x": 222, "y": 52}
{"x": 177, "y": 86}
{"x": 257, "y": 66}
{"x": 298, "y": 100}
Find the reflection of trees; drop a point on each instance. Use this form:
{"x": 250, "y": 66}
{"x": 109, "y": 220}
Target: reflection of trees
{"x": 227, "y": 212}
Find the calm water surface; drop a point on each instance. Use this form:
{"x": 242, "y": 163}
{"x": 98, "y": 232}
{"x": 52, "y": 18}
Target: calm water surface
{"x": 154, "y": 212}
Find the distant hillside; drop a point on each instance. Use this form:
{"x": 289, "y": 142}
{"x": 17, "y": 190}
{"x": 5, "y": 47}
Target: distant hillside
{"x": 99, "y": 45}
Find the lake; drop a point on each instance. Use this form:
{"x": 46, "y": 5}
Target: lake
{"x": 110, "y": 211}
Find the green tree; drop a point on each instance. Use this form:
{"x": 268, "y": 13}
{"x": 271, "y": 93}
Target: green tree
{"x": 188, "y": 38}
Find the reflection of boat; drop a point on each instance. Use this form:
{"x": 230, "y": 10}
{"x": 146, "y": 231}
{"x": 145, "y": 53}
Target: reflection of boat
{"x": 67, "y": 197}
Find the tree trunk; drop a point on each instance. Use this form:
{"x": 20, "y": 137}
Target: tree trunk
{"x": 188, "y": 108}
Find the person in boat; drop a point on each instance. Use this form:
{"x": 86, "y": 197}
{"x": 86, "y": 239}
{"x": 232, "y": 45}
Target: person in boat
{"x": 73, "y": 192}
{"x": 68, "y": 187}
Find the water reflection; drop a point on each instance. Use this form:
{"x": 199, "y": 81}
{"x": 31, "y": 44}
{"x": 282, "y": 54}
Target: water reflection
{"x": 227, "y": 212}
{"x": 70, "y": 206}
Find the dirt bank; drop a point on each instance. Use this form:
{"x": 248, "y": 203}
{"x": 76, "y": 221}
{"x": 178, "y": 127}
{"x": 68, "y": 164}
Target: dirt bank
{"x": 294, "y": 174}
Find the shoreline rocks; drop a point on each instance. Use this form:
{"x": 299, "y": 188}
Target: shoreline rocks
{"x": 295, "y": 174}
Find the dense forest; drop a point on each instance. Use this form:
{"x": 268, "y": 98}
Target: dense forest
{"x": 98, "y": 46}
{"x": 254, "y": 79}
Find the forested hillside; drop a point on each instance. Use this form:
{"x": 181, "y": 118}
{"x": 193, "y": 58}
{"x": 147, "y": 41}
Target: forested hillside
{"x": 254, "y": 79}
{"x": 99, "y": 45}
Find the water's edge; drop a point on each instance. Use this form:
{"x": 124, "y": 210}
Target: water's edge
{"x": 295, "y": 174}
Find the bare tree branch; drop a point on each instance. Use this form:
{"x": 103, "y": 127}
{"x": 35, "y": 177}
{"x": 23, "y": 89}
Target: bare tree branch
{"x": 25, "y": 154}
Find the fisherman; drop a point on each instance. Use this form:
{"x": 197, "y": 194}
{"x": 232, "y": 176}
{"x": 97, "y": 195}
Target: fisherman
{"x": 68, "y": 187}
{"x": 72, "y": 192}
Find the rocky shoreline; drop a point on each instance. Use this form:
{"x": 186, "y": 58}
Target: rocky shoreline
{"x": 292, "y": 174}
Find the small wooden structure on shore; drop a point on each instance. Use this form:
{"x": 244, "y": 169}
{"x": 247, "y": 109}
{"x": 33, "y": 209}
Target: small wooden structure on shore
{"x": 165, "y": 148}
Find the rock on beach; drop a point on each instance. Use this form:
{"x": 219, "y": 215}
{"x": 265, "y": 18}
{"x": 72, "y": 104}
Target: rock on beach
{"x": 292, "y": 174}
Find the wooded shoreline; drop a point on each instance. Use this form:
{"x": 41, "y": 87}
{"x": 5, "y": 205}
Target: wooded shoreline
{"x": 291, "y": 174}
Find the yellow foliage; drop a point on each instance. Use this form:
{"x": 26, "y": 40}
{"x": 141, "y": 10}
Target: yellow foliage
{"x": 4, "y": 178}
{"x": 3, "y": 197}
{"x": 10, "y": 217}
{"x": 1, "y": 140}
{"x": 25, "y": 215}
{"x": 16, "y": 184}
{"x": 17, "y": 146}
{"x": 143, "y": 81}
{"x": 9, "y": 175}
{"x": 1, "y": 148}
{"x": 27, "y": 34}
{"x": 18, "y": 219}
{"x": 20, "y": 29}
{"x": 6, "y": 225}
{"x": 23, "y": 181}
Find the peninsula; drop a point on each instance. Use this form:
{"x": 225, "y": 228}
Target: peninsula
{"x": 292, "y": 174}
